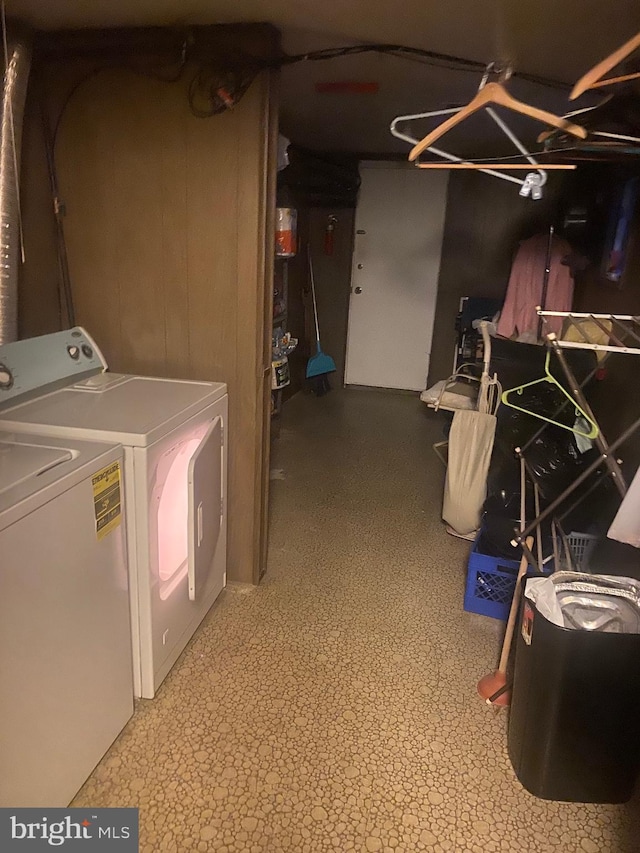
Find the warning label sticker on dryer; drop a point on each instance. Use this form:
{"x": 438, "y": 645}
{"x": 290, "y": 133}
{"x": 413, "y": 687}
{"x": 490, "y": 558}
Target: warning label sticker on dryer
{"x": 107, "y": 500}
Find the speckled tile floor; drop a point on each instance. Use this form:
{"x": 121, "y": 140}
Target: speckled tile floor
{"x": 333, "y": 708}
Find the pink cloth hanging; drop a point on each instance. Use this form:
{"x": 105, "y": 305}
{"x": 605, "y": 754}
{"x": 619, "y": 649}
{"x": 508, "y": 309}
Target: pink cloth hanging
{"x": 524, "y": 291}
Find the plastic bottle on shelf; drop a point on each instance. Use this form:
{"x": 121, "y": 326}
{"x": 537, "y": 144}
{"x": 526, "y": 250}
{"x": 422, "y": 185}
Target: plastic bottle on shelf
{"x": 286, "y": 232}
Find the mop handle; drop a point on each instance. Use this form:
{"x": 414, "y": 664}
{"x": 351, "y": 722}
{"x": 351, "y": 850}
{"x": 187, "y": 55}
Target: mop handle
{"x": 313, "y": 291}
{"x": 513, "y": 611}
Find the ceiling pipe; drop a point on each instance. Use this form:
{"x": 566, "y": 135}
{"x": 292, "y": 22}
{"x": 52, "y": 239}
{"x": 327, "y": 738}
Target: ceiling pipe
{"x": 17, "y": 63}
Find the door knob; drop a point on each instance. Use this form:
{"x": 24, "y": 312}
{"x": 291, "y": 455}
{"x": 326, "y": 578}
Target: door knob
{"x": 358, "y": 290}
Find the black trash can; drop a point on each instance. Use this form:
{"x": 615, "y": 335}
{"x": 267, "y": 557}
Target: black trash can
{"x": 574, "y": 725}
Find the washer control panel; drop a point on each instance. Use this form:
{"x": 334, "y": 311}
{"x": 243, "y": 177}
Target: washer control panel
{"x": 35, "y": 366}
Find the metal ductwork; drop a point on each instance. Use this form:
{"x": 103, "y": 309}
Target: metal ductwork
{"x": 14, "y": 91}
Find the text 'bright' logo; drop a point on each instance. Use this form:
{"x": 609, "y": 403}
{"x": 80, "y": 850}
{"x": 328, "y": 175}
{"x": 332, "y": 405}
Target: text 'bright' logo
{"x": 57, "y": 833}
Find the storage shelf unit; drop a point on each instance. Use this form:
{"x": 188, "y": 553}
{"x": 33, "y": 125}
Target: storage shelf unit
{"x": 280, "y": 299}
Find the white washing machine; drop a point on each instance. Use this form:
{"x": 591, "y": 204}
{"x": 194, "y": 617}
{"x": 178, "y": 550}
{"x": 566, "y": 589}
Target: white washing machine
{"x": 66, "y": 687}
{"x": 175, "y": 459}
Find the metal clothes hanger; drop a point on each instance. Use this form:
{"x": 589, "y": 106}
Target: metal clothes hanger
{"x": 532, "y": 183}
{"x": 495, "y": 93}
{"x": 617, "y": 137}
{"x": 593, "y": 78}
{"x": 456, "y": 162}
{"x": 549, "y": 377}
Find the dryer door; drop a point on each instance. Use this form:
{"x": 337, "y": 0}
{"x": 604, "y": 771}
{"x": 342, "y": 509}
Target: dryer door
{"x": 205, "y": 505}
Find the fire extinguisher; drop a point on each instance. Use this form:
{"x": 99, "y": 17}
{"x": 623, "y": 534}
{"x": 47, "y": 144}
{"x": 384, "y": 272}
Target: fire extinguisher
{"x": 328, "y": 234}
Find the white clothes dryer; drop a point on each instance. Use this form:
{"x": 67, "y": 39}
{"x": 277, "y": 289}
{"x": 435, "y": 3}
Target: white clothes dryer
{"x": 66, "y": 687}
{"x": 174, "y": 434}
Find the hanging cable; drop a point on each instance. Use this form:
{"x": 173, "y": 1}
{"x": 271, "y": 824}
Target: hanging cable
{"x": 218, "y": 84}
{"x": 430, "y": 57}
{"x": 14, "y": 150}
{"x": 65, "y": 292}
{"x": 214, "y": 89}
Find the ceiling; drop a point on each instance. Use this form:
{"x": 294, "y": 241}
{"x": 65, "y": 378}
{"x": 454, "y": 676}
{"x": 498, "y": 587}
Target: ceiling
{"x": 557, "y": 39}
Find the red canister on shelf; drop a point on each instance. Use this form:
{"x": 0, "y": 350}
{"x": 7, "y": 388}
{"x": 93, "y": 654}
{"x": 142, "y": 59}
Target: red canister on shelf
{"x": 286, "y": 232}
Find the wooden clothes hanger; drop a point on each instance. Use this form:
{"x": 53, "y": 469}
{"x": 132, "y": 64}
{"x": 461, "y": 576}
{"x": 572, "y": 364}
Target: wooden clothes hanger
{"x": 549, "y": 377}
{"x": 505, "y": 165}
{"x": 495, "y": 93}
{"x": 532, "y": 184}
{"x": 593, "y": 78}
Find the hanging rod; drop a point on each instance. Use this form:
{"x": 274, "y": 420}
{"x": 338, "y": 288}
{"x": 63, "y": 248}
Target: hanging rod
{"x": 581, "y": 316}
{"x": 624, "y": 329}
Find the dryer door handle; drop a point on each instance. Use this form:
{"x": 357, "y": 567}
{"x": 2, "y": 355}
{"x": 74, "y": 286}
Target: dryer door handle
{"x": 200, "y": 527}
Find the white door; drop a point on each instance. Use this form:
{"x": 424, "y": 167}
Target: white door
{"x": 396, "y": 262}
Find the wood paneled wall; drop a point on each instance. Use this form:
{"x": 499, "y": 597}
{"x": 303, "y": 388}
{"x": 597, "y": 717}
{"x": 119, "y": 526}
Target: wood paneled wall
{"x": 332, "y": 275}
{"x": 166, "y": 227}
{"x": 333, "y": 282}
{"x": 614, "y": 398}
{"x": 485, "y": 220}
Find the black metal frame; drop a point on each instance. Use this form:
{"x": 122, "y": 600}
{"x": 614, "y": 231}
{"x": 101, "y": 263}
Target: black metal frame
{"x": 606, "y": 449}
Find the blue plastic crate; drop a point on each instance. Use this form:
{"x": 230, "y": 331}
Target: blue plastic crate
{"x": 490, "y": 584}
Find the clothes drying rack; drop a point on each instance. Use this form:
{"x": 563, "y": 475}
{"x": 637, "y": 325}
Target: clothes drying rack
{"x": 625, "y": 339}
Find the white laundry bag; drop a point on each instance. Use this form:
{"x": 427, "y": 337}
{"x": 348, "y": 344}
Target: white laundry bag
{"x": 470, "y": 445}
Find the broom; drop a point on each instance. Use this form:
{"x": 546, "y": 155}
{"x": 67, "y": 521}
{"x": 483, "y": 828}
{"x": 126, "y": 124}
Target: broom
{"x": 320, "y": 364}
{"x": 493, "y": 688}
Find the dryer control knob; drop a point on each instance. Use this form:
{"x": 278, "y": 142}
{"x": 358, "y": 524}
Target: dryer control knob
{"x": 6, "y": 377}
{"x": 74, "y": 352}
